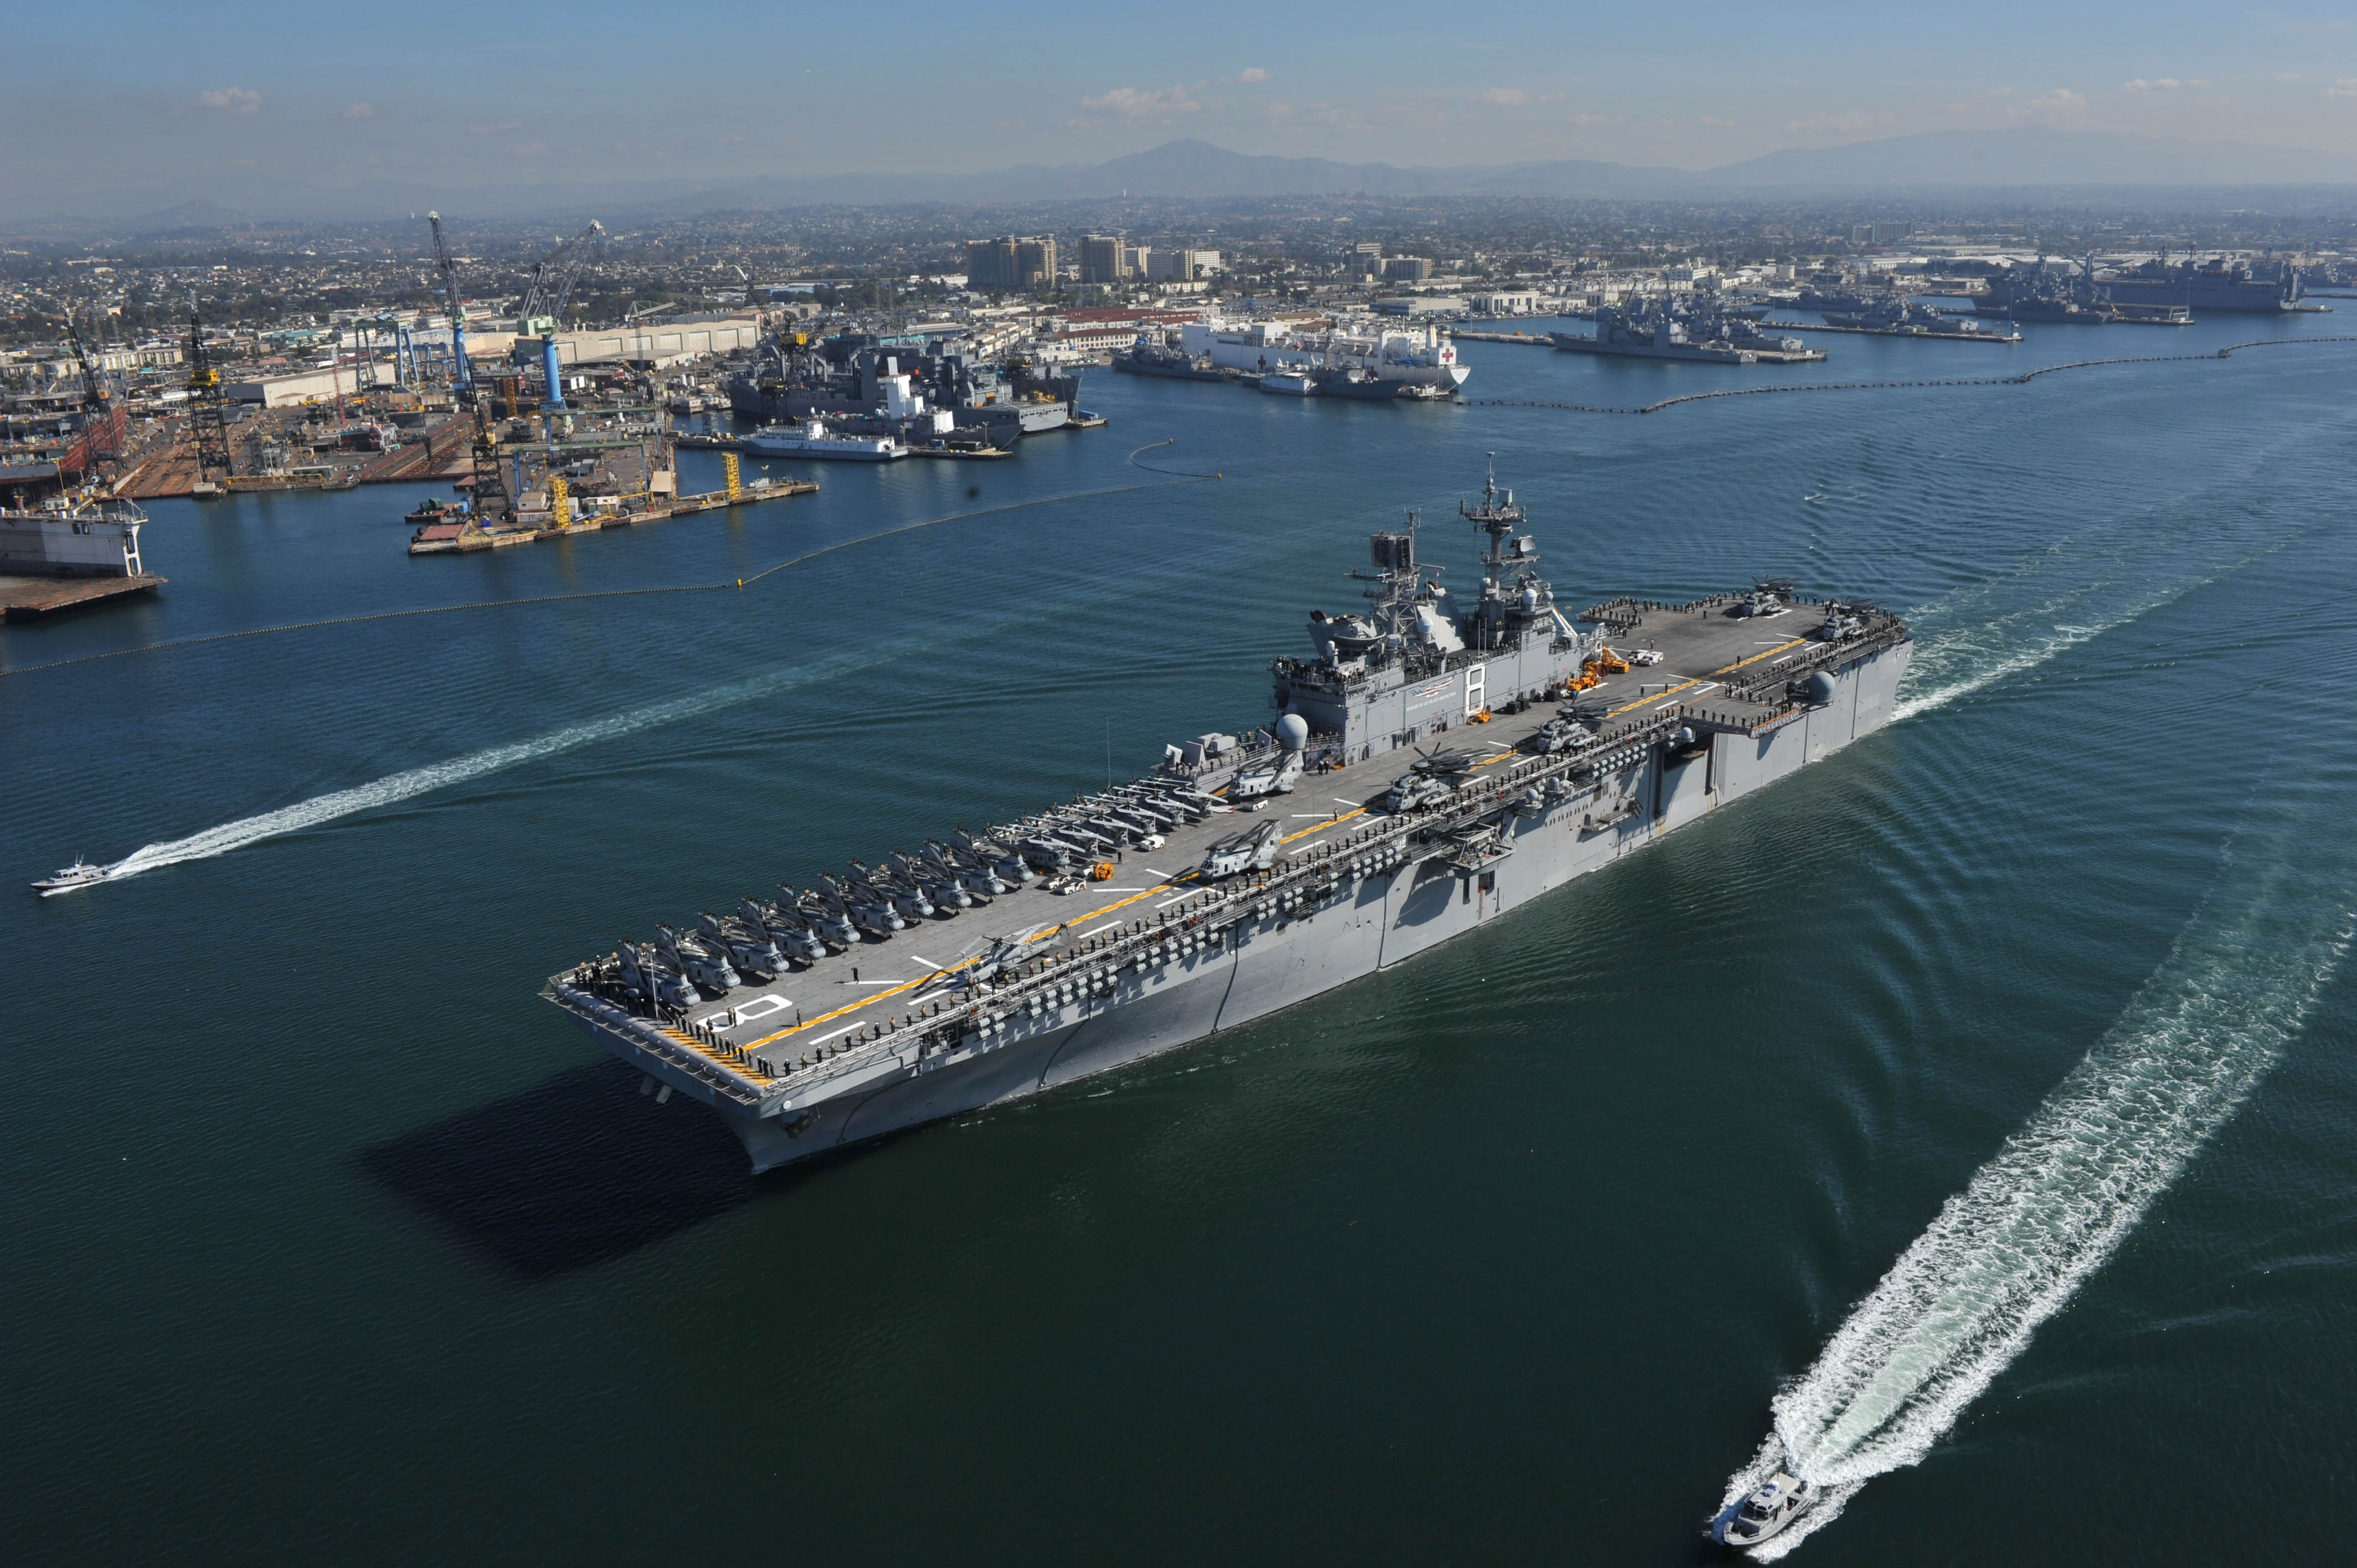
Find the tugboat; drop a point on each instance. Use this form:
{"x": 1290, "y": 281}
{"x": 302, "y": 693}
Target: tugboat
{"x": 1781, "y": 1499}
{"x": 79, "y": 875}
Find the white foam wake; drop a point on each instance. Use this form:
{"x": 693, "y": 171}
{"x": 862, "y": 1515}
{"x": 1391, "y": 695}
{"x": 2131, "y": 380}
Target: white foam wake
{"x": 417, "y": 781}
{"x": 2006, "y": 1253}
{"x": 1954, "y": 660}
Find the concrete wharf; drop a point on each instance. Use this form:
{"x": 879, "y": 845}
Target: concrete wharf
{"x": 2012, "y": 335}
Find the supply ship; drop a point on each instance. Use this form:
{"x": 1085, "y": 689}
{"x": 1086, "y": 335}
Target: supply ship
{"x": 1430, "y": 767}
{"x": 1392, "y": 355}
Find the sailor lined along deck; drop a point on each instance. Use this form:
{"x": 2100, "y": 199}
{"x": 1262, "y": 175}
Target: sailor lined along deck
{"x": 1158, "y": 911}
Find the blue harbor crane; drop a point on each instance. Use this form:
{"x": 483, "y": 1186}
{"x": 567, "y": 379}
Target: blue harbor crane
{"x": 543, "y": 310}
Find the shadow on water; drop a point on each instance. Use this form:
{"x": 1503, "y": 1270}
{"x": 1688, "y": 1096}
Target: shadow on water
{"x": 573, "y": 1172}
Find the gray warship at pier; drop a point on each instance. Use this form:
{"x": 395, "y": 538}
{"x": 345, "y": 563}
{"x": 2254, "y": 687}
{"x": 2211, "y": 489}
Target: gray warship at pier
{"x": 1431, "y": 766}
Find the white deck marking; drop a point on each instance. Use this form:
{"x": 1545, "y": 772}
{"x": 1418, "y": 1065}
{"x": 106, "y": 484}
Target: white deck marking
{"x": 920, "y": 958}
{"x": 1164, "y": 874}
{"x": 1347, "y": 802}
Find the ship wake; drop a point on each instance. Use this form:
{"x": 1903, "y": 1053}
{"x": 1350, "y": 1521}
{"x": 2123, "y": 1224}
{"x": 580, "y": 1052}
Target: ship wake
{"x": 398, "y": 787}
{"x": 2007, "y": 1251}
{"x": 1966, "y": 641}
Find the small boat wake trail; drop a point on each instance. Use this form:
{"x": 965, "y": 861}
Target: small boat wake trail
{"x": 398, "y": 787}
{"x": 2006, "y": 1253}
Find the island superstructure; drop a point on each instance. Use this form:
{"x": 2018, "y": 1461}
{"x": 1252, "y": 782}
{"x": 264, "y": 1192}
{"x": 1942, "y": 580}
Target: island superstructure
{"x": 1434, "y": 765}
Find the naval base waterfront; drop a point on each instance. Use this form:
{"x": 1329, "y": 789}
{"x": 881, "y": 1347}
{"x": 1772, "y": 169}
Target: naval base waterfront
{"x": 342, "y": 1244}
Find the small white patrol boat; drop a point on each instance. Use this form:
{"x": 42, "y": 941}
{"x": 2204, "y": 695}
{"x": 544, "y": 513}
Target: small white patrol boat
{"x": 1778, "y": 1500}
{"x": 79, "y": 875}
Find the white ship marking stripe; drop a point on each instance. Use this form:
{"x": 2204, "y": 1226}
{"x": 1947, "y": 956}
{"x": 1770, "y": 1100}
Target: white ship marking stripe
{"x": 920, "y": 958}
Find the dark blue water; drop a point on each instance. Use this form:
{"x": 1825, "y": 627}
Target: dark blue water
{"x": 327, "y": 1240}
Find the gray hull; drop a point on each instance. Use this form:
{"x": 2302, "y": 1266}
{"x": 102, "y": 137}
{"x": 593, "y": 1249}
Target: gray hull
{"x": 1276, "y": 963}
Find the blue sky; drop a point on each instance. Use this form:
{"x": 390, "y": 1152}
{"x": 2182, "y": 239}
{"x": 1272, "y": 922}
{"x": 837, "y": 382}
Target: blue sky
{"x": 128, "y": 94}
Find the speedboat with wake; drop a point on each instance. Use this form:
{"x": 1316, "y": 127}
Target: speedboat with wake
{"x": 80, "y": 874}
{"x": 1778, "y": 1501}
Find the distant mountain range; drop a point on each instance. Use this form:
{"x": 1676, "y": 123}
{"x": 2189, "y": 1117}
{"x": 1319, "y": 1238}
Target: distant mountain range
{"x": 2025, "y": 158}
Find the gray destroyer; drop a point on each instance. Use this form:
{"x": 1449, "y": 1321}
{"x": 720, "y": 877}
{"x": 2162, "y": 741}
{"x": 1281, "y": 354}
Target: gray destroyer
{"x": 1437, "y": 765}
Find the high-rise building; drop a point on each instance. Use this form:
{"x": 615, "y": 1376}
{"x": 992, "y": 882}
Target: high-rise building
{"x": 1007, "y": 263}
{"x": 1105, "y": 258}
{"x": 1035, "y": 262}
{"x": 1408, "y": 269}
{"x": 990, "y": 264}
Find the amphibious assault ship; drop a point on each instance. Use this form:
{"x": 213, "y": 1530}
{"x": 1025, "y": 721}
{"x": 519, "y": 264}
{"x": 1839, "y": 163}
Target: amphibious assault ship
{"x": 1431, "y": 767}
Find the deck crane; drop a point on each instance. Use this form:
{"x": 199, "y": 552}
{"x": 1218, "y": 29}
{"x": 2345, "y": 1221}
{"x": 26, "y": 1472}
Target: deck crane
{"x": 448, "y": 265}
{"x": 543, "y": 310}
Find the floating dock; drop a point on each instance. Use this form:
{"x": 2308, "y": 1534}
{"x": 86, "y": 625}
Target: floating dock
{"x": 467, "y": 538}
{"x": 29, "y": 598}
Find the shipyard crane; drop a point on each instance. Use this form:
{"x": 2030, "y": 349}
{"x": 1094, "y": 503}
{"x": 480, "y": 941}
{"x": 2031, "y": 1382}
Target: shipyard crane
{"x": 543, "y": 310}
{"x": 552, "y": 277}
{"x": 101, "y": 426}
{"x": 210, "y": 416}
{"x": 448, "y": 265}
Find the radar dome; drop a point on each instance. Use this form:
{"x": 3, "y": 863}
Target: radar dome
{"x": 1821, "y": 688}
{"x": 1293, "y": 732}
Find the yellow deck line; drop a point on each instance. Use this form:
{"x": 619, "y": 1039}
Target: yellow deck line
{"x": 952, "y": 969}
{"x": 1321, "y": 827}
{"x": 1728, "y": 669}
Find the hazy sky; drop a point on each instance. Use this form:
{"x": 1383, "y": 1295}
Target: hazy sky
{"x": 109, "y": 94}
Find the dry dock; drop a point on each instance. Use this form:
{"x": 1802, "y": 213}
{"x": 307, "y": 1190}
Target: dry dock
{"x": 466, "y": 538}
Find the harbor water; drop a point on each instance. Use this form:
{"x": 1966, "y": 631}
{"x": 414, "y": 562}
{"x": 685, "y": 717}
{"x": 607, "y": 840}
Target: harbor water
{"x": 1971, "y": 1116}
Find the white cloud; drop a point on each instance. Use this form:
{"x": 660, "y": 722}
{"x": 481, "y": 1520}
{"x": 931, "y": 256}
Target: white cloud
{"x": 1846, "y": 122}
{"x": 485, "y": 128}
{"x": 1503, "y": 97}
{"x": 528, "y": 149}
{"x": 2164, "y": 85}
{"x": 2058, "y": 104}
{"x": 361, "y": 112}
{"x": 230, "y": 100}
{"x": 1717, "y": 123}
{"x": 1136, "y": 104}
{"x": 2344, "y": 88}
{"x": 1251, "y": 73}
{"x": 1579, "y": 117}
